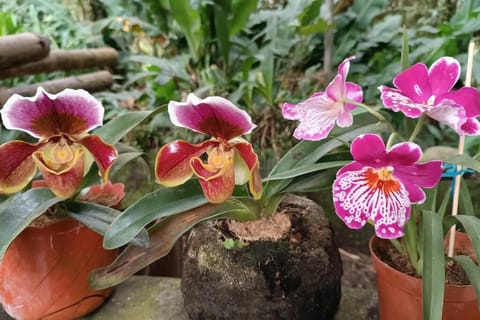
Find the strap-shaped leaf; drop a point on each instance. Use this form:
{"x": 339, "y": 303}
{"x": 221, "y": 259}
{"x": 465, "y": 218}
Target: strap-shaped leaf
{"x": 308, "y": 152}
{"x": 99, "y": 218}
{"x": 20, "y": 210}
{"x": 473, "y": 273}
{"x": 163, "y": 236}
{"x": 433, "y": 278}
{"x": 301, "y": 170}
{"x": 160, "y": 203}
{"x": 471, "y": 224}
{"x": 116, "y": 129}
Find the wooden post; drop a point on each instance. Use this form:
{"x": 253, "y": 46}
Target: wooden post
{"x": 24, "y": 47}
{"x": 65, "y": 60}
{"x": 92, "y": 82}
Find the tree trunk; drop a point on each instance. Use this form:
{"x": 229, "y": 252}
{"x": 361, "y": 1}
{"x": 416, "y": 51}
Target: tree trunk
{"x": 95, "y": 81}
{"x": 65, "y": 60}
{"x": 24, "y": 47}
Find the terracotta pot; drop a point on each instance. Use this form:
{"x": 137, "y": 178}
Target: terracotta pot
{"x": 44, "y": 273}
{"x": 294, "y": 278}
{"x": 400, "y": 295}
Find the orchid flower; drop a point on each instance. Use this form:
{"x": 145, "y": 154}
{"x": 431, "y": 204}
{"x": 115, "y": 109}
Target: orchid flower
{"x": 61, "y": 123}
{"x": 380, "y": 185}
{"x": 230, "y": 159}
{"x": 420, "y": 90}
{"x": 319, "y": 113}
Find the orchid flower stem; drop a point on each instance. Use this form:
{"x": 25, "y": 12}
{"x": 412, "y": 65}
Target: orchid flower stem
{"x": 373, "y": 112}
{"x": 390, "y": 140}
{"x": 418, "y": 127}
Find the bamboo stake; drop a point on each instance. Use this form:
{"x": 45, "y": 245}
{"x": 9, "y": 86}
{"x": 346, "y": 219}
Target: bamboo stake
{"x": 23, "y": 47}
{"x": 95, "y": 81}
{"x": 461, "y": 147}
{"x": 65, "y": 60}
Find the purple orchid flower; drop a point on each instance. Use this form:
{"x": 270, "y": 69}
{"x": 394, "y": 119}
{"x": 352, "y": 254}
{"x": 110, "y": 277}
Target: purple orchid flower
{"x": 319, "y": 113}
{"x": 230, "y": 159}
{"x": 420, "y": 90}
{"x": 61, "y": 123}
{"x": 380, "y": 185}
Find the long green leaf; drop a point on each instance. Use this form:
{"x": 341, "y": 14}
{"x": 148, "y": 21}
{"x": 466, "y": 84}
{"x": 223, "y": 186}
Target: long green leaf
{"x": 163, "y": 236}
{"x": 160, "y": 203}
{"x": 450, "y": 155}
{"x": 473, "y": 272}
{"x": 466, "y": 203}
{"x": 471, "y": 224}
{"x": 116, "y": 129}
{"x": 189, "y": 21}
{"x": 299, "y": 171}
{"x": 21, "y": 209}
{"x": 433, "y": 278}
{"x": 99, "y": 218}
{"x": 312, "y": 183}
{"x": 309, "y": 152}
{"x": 241, "y": 12}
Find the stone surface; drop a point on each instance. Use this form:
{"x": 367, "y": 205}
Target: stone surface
{"x": 159, "y": 298}
{"x": 144, "y": 298}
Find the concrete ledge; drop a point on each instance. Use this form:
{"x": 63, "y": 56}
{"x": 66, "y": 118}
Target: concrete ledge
{"x": 159, "y": 298}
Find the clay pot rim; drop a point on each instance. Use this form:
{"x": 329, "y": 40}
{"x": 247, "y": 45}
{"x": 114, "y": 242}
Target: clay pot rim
{"x": 377, "y": 260}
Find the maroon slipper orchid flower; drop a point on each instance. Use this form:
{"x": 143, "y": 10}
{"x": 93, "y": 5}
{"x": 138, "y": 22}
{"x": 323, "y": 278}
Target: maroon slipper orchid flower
{"x": 230, "y": 159}
{"x": 61, "y": 123}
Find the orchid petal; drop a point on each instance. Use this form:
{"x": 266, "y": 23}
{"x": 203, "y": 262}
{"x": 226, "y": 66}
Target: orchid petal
{"x": 353, "y": 92}
{"x": 251, "y": 160}
{"x": 108, "y": 195}
{"x": 443, "y": 74}
{"x": 450, "y": 114}
{"x": 345, "y": 119}
{"x": 70, "y": 112}
{"x": 426, "y": 174}
{"x": 336, "y": 88}
{"x": 470, "y": 127}
{"x": 172, "y": 163}
{"x": 319, "y": 116}
{"x": 66, "y": 182}
{"x": 357, "y": 202}
{"x": 397, "y": 101}
{"x": 415, "y": 193}
{"x": 352, "y": 166}
{"x": 217, "y": 183}
{"x": 468, "y": 98}
{"x": 17, "y": 167}
{"x": 214, "y": 116}
{"x": 344, "y": 67}
{"x": 414, "y": 83}
{"x": 405, "y": 153}
{"x": 369, "y": 149}
{"x": 103, "y": 153}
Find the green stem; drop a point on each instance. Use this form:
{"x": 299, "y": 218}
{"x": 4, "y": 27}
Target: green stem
{"x": 390, "y": 140}
{"x": 373, "y": 112}
{"x": 418, "y": 128}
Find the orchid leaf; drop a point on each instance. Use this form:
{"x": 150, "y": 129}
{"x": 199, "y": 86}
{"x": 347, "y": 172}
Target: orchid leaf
{"x": 471, "y": 224}
{"x": 241, "y": 12}
{"x": 99, "y": 218}
{"x": 305, "y": 169}
{"x": 473, "y": 272}
{"x": 122, "y": 160}
{"x": 163, "y": 236}
{"x": 160, "y": 203}
{"x": 466, "y": 204}
{"x": 313, "y": 183}
{"x": 308, "y": 152}
{"x": 450, "y": 155}
{"x": 18, "y": 211}
{"x": 433, "y": 275}
{"x": 117, "y": 128}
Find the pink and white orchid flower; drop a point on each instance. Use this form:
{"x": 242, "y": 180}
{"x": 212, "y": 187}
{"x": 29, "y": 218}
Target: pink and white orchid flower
{"x": 319, "y": 113}
{"x": 61, "y": 123}
{"x": 230, "y": 159}
{"x": 380, "y": 185}
{"x": 420, "y": 90}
